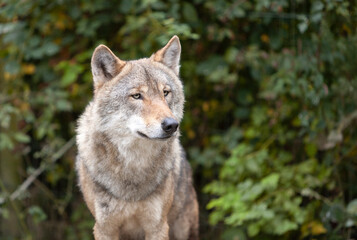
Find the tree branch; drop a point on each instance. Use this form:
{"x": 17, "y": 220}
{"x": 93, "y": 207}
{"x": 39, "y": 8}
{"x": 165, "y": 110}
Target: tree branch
{"x": 43, "y": 167}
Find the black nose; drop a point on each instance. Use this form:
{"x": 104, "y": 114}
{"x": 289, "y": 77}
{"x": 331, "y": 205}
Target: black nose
{"x": 169, "y": 125}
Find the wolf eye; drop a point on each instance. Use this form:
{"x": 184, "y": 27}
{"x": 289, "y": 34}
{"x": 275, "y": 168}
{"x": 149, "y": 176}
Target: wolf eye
{"x": 166, "y": 93}
{"x": 136, "y": 96}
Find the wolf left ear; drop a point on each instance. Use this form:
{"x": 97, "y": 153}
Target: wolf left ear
{"x": 105, "y": 65}
{"x": 170, "y": 54}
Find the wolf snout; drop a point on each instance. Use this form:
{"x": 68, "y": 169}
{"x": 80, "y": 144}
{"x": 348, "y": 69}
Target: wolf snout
{"x": 169, "y": 125}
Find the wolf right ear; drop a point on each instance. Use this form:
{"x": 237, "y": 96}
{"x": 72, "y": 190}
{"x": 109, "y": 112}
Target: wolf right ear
{"x": 105, "y": 65}
{"x": 170, "y": 54}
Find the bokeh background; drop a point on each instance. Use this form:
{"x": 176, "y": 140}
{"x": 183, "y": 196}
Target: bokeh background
{"x": 270, "y": 114}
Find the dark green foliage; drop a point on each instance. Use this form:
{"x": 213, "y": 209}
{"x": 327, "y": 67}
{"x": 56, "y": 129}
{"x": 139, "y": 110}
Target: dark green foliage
{"x": 270, "y": 121}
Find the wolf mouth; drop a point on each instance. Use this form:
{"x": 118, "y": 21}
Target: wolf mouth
{"x": 157, "y": 138}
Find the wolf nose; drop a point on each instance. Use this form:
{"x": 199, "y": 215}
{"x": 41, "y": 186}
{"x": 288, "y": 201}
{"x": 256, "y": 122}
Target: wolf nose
{"x": 169, "y": 125}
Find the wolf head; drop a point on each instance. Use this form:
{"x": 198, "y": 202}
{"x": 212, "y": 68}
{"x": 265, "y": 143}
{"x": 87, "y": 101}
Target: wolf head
{"x": 142, "y": 98}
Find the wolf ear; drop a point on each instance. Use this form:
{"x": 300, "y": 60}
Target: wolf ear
{"x": 170, "y": 54}
{"x": 105, "y": 65}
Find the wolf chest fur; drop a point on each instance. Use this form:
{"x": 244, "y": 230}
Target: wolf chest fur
{"x": 132, "y": 169}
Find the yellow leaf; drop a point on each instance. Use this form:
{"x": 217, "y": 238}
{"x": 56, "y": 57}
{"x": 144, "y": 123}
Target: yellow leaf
{"x": 58, "y": 41}
{"x": 62, "y": 21}
{"x": 74, "y": 89}
{"x": 205, "y": 106}
{"x": 312, "y": 229}
{"x": 317, "y": 228}
{"x": 60, "y": 25}
{"x": 7, "y": 76}
{"x": 24, "y": 106}
{"x": 265, "y": 38}
{"x": 346, "y": 29}
{"x": 191, "y": 134}
{"x": 47, "y": 29}
{"x": 28, "y": 69}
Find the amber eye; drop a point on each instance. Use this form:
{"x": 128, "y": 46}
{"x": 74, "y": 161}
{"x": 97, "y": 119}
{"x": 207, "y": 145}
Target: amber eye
{"x": 166, "y": 93}
{"x": 136, "y": 96}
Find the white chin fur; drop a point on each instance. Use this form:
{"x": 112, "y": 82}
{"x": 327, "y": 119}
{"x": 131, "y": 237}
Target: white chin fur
{"x": 136, "y": 124}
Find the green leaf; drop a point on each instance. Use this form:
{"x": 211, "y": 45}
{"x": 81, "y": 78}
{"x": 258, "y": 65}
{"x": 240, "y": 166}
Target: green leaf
{"x": 311, "y": 150}
{"x": 189, "y": 12}
{"x": 4, "y": 212}
{"x": 38, "y": 215}
{"x": 253, "y": 229}
{"x": 352, "y": 208}
{"x": 304, "y": 23}
{"x": 21, "y": 137}
{"x": 50, "y": 48}
{"x": 71, "y": 72}
{"x": 270, "y": 182}
{"x": 6, "y": 142}
{"x": 12, "y": 67}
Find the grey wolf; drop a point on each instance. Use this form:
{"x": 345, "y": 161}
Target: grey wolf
{"x": 132, "y": 169}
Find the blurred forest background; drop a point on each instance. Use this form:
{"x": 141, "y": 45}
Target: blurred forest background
{"x": 270, "y": 120}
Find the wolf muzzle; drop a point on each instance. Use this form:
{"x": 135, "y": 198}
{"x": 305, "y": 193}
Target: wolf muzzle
{"x": 169, "y": 125}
